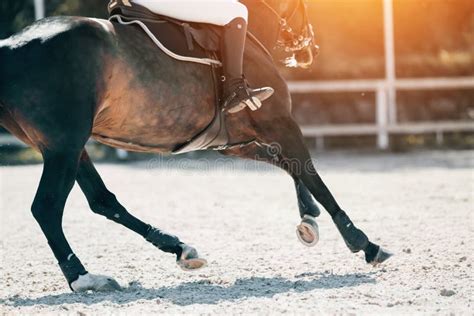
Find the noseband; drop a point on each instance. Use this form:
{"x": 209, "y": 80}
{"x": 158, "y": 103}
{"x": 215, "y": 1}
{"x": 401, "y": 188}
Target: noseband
{"x": 297, "y": 40}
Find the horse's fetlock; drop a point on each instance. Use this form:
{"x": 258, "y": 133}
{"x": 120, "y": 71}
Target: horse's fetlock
{"x": 72, "y": 268}
{"x": 371, "y": 252}
{"x": 354, "y": 238}
{"x": 164, "y": 241}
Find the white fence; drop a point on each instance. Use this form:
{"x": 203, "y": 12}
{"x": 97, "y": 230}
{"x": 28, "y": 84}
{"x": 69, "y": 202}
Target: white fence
{"x": 386, "y": 120}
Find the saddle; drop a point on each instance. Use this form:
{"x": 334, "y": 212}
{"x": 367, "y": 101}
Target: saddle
{"x": 189, "y": 42}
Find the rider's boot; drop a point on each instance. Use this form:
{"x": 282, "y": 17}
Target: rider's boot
{"x": 237, "y": 94}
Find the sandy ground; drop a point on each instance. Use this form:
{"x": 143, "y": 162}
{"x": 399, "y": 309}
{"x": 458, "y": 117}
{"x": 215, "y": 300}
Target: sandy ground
{"x": 242, "y": 218}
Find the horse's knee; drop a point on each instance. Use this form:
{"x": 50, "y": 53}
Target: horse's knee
{"x": 106, "y": 204}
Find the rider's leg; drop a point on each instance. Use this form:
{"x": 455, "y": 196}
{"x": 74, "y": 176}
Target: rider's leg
{"x": 237, "y": 94}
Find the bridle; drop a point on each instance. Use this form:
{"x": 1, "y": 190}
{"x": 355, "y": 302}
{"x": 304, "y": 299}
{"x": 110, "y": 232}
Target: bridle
{"x": 295, "y": 41}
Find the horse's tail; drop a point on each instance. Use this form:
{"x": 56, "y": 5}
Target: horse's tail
{"x": 3, "y": 65}
{"x": 7, "y": 70}
{"x": 7, "y": 121}
{"x": 4, "y": 51}
{"x": 5, "y": 73}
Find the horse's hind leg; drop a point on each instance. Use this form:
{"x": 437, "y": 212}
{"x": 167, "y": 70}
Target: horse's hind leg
{"x": 104, "y": 202}
{"x": 307, "y": 231}
{"x": 288, "y": 151}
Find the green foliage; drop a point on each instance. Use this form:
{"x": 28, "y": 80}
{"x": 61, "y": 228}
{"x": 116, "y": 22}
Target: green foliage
{"x": 15, "y": 15}
{"x": 91, "y": 8}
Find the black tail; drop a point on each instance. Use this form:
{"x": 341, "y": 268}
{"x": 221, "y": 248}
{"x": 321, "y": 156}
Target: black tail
{"x": 3, "y": 56}
{"x": 4, "y": 70}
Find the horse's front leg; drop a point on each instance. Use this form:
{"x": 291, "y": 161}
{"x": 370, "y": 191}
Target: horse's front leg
{"x": 103, "y": 202}
{"x": 59, "y": 172}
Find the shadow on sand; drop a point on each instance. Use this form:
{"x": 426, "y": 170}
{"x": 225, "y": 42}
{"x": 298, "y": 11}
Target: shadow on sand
{"x": 203, "y": 291}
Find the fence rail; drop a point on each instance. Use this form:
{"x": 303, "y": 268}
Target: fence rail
{"x": 370, "y": 129}
{"x": 386, "y": 121}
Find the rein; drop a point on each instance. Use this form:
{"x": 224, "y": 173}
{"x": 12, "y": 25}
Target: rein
{"x": 298, "y": 41}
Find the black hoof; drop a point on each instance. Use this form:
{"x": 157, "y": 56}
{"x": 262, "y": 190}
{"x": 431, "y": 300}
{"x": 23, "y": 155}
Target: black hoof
{"x": 189, "y": 259}
{"x": 381, "y": 256}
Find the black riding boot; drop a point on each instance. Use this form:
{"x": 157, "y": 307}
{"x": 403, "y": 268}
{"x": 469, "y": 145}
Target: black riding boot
{"x": 237, "y": 94}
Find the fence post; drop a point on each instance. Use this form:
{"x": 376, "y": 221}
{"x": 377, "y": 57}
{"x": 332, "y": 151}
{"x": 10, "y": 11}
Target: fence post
{"x": 39, "y": 9}
{"x": 382, "y": 118}
{"x": 390, "y": 74}
{"x": 320, "y": 143}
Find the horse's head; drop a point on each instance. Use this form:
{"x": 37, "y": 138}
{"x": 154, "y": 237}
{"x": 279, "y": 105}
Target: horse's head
{"x": 283, "y": 26}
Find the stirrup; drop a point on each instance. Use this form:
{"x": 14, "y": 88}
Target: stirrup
{"x": 252, "y": 103}
{"x": 246, "y": 97}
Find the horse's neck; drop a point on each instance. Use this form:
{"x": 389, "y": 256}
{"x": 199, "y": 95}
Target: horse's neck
{"x": 264, "y": 25}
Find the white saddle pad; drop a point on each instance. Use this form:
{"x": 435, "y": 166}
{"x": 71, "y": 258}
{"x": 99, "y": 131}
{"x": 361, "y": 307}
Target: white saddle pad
{"x": 217, "y": 12}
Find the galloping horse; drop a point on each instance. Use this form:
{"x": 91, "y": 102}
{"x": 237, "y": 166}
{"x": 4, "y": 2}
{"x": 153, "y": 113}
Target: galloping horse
{"x": 65, "y": 79}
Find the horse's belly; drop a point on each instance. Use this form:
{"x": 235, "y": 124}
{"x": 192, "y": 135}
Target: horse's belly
{"x": 151, "y": 124}
{"x": 158, "y": 114}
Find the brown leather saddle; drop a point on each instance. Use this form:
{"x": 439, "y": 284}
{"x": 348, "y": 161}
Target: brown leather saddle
{"x": 184, "y": 39}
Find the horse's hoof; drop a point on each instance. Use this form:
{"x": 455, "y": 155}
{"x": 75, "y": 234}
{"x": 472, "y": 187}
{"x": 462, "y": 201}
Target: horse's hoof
{"x": 92, "y": 282}
{"x": 381, "y": 256}
{"x": 189, "y": 259}
{"x": 308, "y": 231}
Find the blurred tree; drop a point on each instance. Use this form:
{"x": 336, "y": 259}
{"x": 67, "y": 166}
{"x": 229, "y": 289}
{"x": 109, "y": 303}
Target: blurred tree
{"x": 15, "y": 15}
{"x": 91, "y": 8}
{"x": 434, "y": 38}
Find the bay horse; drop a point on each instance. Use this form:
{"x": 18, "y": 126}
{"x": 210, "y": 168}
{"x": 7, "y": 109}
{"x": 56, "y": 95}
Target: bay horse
{"x": 66, "y": 79}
